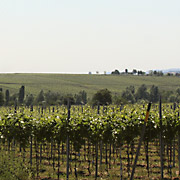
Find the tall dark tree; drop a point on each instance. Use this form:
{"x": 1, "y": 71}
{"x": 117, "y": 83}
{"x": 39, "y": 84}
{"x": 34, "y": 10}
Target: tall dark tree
{"x": 21, "y": 94}
{"x": 7, "y": 97}
{"x": 1, "y": 99}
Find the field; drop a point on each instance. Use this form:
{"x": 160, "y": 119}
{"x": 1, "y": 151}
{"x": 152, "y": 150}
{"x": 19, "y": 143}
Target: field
{"x": 98, "y": 143}
{"x": 73, "y": 83}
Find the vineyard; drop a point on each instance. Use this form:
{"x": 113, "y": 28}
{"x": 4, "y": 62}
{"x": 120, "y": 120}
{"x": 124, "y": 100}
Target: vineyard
{"x": 80, "y": 142}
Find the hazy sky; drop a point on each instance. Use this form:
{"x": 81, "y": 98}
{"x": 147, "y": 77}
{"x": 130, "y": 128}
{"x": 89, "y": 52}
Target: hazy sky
{"x": 89, "y": 35}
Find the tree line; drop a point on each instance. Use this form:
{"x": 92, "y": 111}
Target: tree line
{"x": 130, "y": 95}
{"x": 42, "y": 98}
{"x": 140, "y": 72}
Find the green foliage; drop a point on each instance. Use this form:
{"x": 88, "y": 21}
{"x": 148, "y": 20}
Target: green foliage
{"x": 116, "y": 72}
{"x": 1, "y": 98}
{"x": 142, "y": 93}
{"x": 110, "y": 124}
{"x": 21, "y": 94}
{"x": 29, "y": 100}
{"x": 70, "y": 98}
{"x": 12, "y": 168}
{"x": 7, "y": 97}
{"x": 119, "y": 100}
{"x": 154, "y": 94}
{"x": 51, "y": 98}
{"x": 80, "y": 98}
{"x": 129, "y": 95}
{"x": 102, "y": 97}
{"x": 178, "y": 91}
{"x": 40, "y": 98}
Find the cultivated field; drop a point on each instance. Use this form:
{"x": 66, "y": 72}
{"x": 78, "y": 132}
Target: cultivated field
{"x": 81, "y": 143}
{"x": 73, "y": 83}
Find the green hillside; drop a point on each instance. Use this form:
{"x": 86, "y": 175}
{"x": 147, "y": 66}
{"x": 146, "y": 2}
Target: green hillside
{"x": 73, "y": 83}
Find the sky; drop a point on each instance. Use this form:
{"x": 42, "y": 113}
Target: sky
{"x": 89, "y": 35}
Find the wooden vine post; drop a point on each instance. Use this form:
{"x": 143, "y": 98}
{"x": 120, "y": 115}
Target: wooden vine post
{"x": 140, "y": 141}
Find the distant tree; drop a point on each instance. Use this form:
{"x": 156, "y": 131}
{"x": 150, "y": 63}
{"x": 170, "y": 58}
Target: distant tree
{"x": 40, "y": 98}
{"x": 128, "y": 94}
{"x": 81, "y": 97}
{"x": 126, "y": 71}
{"x": 134, "y": 71}
{"x": 7, "y": 97}
{"x": 172, "y": 98}
{"x": 154, "y": 94}
{"x": 177, "y": 99}
{"x": 29, "y": 100}
{"x": 151, "y": 72}
{"x": 141, "y": 73}
{"x": 70, "y": 98}
{"x": 1, "y": 98}
{"x": 165, "y": 95}
{"x": 51, "y": 98}
{"x": 169, "y": 74}
{"x": 119, "y": 100}
{"x": 178, "y": 91}
{"x": 155, "y": 72}
{"x": 21, "y": 94}
{"x": 115, "y": 72}
{"x": 102, "y": 97}
{"x": 77, "y": 99}
{"x": 160, "y": 73}
{"x": 13, "y": 99}
{"x": 142, "y": 93}
{"x": 131, "y": 89}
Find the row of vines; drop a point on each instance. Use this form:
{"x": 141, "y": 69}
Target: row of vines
{"x": 81, "y": 142}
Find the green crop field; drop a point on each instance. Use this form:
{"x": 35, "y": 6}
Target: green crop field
{"x": 73, "y": 83}
{"x": 84, "y": 143}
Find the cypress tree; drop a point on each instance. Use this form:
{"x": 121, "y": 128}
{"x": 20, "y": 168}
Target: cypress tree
{"x": 7, "y": 97}
{"x": 1, "y": 98}
{"x": 21, "y": 94}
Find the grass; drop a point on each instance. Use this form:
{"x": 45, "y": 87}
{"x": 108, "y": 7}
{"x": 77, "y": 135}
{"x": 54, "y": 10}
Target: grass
{"x": 73, "y": 83}
{"x": 13, "y": 168}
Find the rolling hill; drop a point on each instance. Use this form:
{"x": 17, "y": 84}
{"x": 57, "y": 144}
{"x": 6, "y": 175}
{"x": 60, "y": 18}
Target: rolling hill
{"x": 73, "y": 83}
